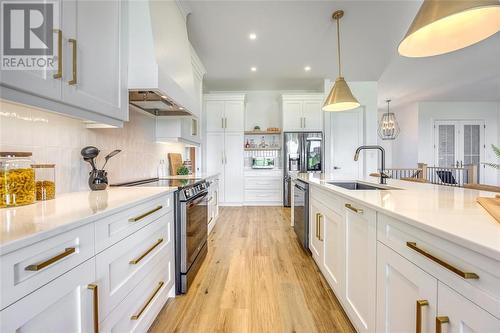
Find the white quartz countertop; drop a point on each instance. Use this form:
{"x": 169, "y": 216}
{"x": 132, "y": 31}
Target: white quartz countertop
{"x": 24, "y": 225}
{"x": 448, "y": 212}
{"x": 199, "y": 175}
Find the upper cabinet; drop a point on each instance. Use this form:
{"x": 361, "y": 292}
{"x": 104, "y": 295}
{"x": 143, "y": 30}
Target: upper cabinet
{"x": 225, "y": 113}
{"x": 90, "y": 77}
{"x": 302, "y": 112}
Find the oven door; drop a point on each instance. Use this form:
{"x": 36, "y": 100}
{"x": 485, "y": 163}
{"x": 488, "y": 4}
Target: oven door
{"x": 195, "y": 229}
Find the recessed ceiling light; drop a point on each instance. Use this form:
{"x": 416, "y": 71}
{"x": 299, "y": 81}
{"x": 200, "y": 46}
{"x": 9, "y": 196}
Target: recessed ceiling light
{"x": 253, "y": 69}
{"x": 252, "y": 36}
{"x": 307, "y": 68}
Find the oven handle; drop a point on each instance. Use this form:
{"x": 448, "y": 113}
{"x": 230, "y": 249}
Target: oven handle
{"x": 195, "y": 200}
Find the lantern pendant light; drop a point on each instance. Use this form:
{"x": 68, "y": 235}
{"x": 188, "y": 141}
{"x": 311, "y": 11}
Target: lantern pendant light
{"x": 443, "y": 26}
{"x": 388, "y": 128}
{"x": 340, "y": 97}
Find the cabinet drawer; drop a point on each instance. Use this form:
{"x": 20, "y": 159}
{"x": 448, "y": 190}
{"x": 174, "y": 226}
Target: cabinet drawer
{"x": 330, "y": 200}
{"x": 446, "y": 261}
{"x": 29, "y": 268}
{"x": 118, "y": 226}
{"x": 140, "y": 308}
{"x": 262, "y": 183}
{"x": 124, "y": 265}
{"x": 262, "y": 195}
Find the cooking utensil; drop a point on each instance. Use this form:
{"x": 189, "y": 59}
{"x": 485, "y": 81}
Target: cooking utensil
{"x": 113, "y": 153}
{"x": 89, "y": 154}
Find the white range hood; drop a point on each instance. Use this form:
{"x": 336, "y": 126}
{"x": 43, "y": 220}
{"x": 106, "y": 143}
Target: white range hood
{"x": 160, "y": 74}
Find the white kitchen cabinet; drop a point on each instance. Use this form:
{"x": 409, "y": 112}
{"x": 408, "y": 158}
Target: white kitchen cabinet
{"x": 302, "y": 112}
{"x": 225, "y": 115}
{"x": 333, "y": 256}
{"x": 214, "y": 114}
{"x": 315, "y": 231}
{"x": 213, "y": 203}
{"x": 64, "y": 305}
{"x": 215, "y": 158}
{"x": 99, "y": 30}
{"x": 360, "y": 265}
{"x": 455, "y": 313}
{"x": 233, "y": 168}
{"x": 178, "y": 129}
{"x": 406, "y": 295}
{"x": 234, "y": 116}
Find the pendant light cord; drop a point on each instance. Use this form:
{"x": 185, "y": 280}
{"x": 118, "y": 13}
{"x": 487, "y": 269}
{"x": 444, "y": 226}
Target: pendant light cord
{"x": 338, "y": 46}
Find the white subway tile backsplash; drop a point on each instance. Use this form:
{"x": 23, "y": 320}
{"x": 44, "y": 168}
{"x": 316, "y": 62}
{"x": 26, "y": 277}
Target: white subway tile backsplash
{"x": 53, "y": 138}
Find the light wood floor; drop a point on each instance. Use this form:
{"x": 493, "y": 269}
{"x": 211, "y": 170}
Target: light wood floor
{"x": 256, "y": 278}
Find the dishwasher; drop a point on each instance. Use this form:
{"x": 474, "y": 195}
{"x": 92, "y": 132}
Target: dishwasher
{"x": 301, "y": 213}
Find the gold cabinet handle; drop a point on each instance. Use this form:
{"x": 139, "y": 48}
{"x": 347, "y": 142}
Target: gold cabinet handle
{"x": 139, "y": 313}
{"x": 95, "y": 292}
{"x": 354, "y": 209}
{"x": 317, "y": 225}
{"x": 210, "y": 220}
{"x": 418, "y": 322}
{"x": 140, "y": 217}
{"x": 58, "y": 75}
{"x": 439, "y": 323}
{"x": 465, "y": 275}
{"x": 43, "y": 264}
{"x": 320, "y": 216}
{"x": 137, "y": 260}
{"x": 74, "y": 68}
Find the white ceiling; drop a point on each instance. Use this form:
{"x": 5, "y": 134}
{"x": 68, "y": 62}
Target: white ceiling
{"x": 293, "y": 34}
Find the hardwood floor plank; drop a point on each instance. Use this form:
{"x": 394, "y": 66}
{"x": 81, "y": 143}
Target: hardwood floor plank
{"x": 256, "y": 278}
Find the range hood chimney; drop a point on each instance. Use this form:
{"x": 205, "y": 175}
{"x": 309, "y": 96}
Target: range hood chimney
{"x": 160, "y": 74}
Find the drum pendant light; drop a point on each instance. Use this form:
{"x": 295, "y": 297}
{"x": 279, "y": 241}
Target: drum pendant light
{"x": 443, "y": 26}
{"x": 340, "y": 97}
{"x": 388, "y": 128}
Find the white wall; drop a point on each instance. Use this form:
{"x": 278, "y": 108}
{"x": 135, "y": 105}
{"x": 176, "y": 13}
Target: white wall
{"x": 53, "y": 138}
{"x": 263, "y": 108}
{"x": 405, "y": 147}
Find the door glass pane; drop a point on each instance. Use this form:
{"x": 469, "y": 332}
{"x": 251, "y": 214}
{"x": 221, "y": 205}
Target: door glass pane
{"x": 446, "y": 145}
{"x": 472, "y": 147}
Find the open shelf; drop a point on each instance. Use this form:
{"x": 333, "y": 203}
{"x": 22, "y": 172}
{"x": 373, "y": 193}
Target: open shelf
{"x": 262, "y": 133}
{"x": 263, "y": 149}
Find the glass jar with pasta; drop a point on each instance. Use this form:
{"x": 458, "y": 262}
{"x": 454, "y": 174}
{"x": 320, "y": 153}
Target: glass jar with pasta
{"x": 17, "y": 179}
{"x": 45, "y": 181}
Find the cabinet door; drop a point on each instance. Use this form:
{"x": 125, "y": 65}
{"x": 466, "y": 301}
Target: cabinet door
{"x": 360, "y": 272}
{"x": 458, "y": 314}
{"x": 313, "y": 115}
{"x": 292, "y": 116}
{"x": 214, "y": 111}
{"x": 63, "y": 305}
{"x": 233, "y": 168}
{"x": 38, "y": 82}
{"x": 403, "y": 290}
{"x": 100, "y": 53}
{"x": 215, "y": 158}
{"x": 315, "y": 229}
{"x": 235, "y": 116}
{"x": 333, "y": 258}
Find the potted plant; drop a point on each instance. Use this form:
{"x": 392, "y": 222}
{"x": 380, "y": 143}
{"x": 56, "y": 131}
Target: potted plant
{"x": 497, "y": 152}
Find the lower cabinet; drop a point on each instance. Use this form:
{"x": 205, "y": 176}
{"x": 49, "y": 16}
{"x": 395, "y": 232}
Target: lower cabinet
{"x": 406, "y": 295}
{"x": 64, "y": 305}
{"x": 213, "y": 204}
{"x": 315, "y": 235}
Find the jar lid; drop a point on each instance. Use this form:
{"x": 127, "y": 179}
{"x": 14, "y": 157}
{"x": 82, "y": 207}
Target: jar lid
{"x": 15, "y": 154}
{"x": 43, "y": 166}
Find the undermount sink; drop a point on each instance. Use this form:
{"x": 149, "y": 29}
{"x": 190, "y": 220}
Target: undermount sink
{"x": 357, "y": 186}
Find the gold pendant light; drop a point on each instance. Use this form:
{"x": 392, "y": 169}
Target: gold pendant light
{"x": 340, "y": 97}
{"x": 443, "y": 26}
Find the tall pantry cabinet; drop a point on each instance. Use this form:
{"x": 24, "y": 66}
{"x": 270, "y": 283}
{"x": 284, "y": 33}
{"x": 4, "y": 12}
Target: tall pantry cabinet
{"x": 224, "y": 115}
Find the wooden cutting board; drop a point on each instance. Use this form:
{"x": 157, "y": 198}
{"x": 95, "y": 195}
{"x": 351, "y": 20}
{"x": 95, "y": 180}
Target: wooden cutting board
{"x": 492, "y": 206}
{"x": 174, "y": 162}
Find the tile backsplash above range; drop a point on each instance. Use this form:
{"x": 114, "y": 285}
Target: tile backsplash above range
{"x": 58, "y": 139}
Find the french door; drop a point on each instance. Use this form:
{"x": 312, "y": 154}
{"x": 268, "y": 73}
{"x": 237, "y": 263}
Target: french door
{"x": 459, "y": 143}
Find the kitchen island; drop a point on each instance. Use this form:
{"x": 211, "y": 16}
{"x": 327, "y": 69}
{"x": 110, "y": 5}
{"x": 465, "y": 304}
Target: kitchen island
{"x": 408, "y": 248}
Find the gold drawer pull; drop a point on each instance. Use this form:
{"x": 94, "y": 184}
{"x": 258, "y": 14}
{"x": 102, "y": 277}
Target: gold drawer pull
{"x": 140, "y": 217}
{"x": 75, "y": 65}
{"x": 138, "y": 315}
{"x": 209, "y": 221}
{"x": 39, "y": 266}
{"x": 354, "y": 209}
{"x": 320, "y": 216}
{"x": 94, "y": 289}
{"x": 465, "y": 275}
{"x": 317, "y": 225}
{"x": 440, "y": 321}
{"x": 418, "y": 322}
{"x": 136, "y": 261}
{"x": 58, "y": 75}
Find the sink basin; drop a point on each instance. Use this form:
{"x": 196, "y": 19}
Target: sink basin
{"x": 356, "y": 186}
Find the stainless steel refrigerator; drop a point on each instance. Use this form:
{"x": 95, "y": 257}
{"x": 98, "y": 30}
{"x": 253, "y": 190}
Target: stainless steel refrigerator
{"x": 303, "y": 153}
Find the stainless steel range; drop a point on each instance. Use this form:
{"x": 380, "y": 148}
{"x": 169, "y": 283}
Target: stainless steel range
{"x": 191, "y": 229}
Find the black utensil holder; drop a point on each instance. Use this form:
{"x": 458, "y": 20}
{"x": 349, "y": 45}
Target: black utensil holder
{"x": 98, "y": 180}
